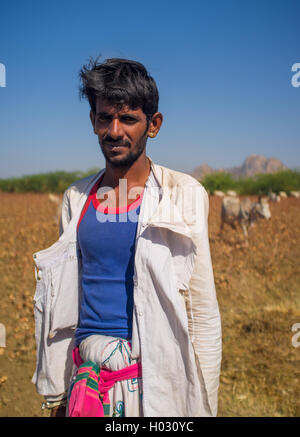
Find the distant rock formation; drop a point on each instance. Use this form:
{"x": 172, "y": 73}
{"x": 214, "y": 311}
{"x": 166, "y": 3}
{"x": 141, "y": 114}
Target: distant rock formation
{"x": 202, "y": 170}
{"x": 252, "y": 165}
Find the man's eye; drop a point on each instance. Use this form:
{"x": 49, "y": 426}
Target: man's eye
{"x": 128, "y": 119}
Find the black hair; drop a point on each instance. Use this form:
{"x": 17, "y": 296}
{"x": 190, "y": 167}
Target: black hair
{"x": 121, "y": 82}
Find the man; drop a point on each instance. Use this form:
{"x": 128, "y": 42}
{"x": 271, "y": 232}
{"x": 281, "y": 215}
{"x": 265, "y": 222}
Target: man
{"x": 125, "y": 304}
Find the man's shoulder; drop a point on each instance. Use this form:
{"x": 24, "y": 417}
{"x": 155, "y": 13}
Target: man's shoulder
{"x": 80, "y": 185}
{"x": 177, "y": 178}
{"x": 189, "y": 195}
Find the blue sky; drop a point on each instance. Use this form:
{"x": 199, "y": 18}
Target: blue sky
{"x": 223, "y": 69}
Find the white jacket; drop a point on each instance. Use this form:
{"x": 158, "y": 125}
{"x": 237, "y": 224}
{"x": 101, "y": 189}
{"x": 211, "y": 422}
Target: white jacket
{"x": 176, "y": 320}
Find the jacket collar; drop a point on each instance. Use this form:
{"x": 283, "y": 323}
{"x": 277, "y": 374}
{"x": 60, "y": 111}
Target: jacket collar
{"x": 167, "y": 214}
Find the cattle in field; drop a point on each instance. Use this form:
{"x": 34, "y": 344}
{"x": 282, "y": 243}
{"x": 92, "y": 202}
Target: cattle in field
{"x": 243, "y": 212}
{"x": 231, "y": 193}
{"x": 295, "y": 194}
{"x": 219, "y": 193}
{"x": 274, "y": 197}
{"x": 54, "y": 198}
{"x": 282, "y": 194}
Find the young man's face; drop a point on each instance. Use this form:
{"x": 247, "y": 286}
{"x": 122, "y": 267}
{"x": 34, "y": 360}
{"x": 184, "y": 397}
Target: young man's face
{"x": 122, "y": 133}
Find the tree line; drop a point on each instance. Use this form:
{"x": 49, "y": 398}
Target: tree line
{"x": 52, "y": 182}
{"x": 59, "y": 181}
{"x": 285, "y": 180}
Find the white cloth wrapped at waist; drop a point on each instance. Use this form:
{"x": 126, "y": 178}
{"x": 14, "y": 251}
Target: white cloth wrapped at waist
{"x": 108, "y": 352}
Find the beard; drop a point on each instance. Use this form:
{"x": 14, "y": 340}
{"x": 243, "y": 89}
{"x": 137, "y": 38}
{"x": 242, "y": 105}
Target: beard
{"x": 130, "y": 157}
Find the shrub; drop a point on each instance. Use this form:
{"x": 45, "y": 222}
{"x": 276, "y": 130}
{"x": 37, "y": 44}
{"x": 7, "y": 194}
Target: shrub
{"x": 286, "y": 180}
{"x": 219, "y": 181}
{"x": 53, "y": 182}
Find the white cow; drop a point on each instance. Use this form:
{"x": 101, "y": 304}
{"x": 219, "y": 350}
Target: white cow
{"x": 294, "y": 194}
{"x": 282, "y": 194}
{"x": 231, "y": 193}
{"x": 244, "y": 212}
{"x": 274, "y": 197}
{"x": 219, "y": 193}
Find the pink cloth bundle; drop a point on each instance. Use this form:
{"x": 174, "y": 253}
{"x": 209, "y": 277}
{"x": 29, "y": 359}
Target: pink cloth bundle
{"x": 89, "y": 392}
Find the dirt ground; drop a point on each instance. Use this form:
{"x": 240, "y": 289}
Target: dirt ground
{"x": 258, "y": 290}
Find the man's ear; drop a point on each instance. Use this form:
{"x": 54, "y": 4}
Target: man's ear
{"x": 92, "y": 117}
{"x": 155, "y": 124}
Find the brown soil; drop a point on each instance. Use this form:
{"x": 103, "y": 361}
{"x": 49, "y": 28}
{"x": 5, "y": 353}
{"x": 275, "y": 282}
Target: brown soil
{"x": 258, "y": 290}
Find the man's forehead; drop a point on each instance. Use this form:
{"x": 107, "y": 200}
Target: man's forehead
{"x": 114, "y": 107}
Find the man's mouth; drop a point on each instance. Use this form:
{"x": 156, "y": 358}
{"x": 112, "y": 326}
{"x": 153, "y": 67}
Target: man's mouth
{"x": 115, "y": 147}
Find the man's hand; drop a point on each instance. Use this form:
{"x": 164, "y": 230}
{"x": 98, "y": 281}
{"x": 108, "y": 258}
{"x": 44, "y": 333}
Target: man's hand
{"x": 59, "y": 411}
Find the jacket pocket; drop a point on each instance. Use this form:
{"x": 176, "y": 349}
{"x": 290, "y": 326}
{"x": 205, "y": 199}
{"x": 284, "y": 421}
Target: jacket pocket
{"x": 64, "y": 300}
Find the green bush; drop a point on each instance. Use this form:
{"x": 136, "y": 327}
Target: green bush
{"x": 219, "y": 181}
{"x": 54, "y": 182}
{"x": 286, "y": 180}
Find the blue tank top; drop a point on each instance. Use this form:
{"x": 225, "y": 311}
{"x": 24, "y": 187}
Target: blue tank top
{"x": 107, "y": 243}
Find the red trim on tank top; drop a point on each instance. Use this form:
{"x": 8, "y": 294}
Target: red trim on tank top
{"x": 110, "y": 210}
{"x": 88, "y": 200}
{"x": 105, "y": 209}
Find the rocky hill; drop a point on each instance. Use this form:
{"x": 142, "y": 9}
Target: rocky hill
{"x": 252, "y": 165}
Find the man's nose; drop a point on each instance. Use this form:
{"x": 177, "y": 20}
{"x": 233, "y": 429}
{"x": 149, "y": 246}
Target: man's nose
{"x": 115, "y": 129}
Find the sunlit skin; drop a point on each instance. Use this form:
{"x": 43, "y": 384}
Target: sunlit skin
{"x": 122, "y": 135}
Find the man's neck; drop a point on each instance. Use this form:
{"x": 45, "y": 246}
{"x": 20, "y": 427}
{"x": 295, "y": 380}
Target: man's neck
{"x": 136, "y": 175}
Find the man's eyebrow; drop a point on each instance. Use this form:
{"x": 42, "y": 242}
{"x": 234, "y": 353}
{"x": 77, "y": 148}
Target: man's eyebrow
{"x": 128, "y": 114}
{"x": 106, "y": 114}
{"x": 125, "y": 114}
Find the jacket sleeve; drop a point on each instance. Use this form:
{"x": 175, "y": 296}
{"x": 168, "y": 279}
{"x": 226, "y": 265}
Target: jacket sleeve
{"x": 65, "y": 212}
{"x": 203, "y": 311}
{"x": 44, "y": 384}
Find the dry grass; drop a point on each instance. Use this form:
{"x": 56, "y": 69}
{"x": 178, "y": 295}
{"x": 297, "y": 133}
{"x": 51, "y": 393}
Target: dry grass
{"x": 258, "y": 292}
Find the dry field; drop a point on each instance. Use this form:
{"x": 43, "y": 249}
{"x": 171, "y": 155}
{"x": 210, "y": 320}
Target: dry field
{"x": 258, "y": 290}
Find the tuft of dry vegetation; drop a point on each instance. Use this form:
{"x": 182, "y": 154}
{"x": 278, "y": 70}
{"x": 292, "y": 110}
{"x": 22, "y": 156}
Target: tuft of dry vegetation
{"x": 258, "y": 292}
